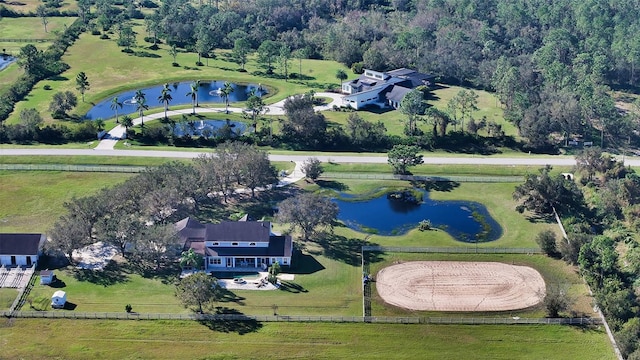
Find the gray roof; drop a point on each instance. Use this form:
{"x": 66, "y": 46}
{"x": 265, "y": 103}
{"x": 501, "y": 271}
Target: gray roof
{"x": 279, "y": 246}
{"x": 253, "y": 231}
{"x": 19, "y": 244}
{"x": 397, "y": 93}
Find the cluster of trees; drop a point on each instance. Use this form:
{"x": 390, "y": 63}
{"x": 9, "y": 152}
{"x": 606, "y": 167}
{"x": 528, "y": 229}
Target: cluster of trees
{"x": 137, "y": 216}
{"x": 600, "y": 216}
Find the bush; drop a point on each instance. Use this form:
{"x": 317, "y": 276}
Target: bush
{"x": 127, "y": 51}
{"x": 47, "y": 87}
{"x": 104, "y": 37}
{"x": 199, "y": 63}
{"x": 425, "y": 225}
{"x": 547, "y": 241}
{"x": 128, "y": 308}
{"x": 96, "y": 32}
{"x": 175, "y": 64}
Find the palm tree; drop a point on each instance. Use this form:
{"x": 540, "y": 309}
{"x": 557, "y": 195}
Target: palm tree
{"x": 82, "y": 83}
{"x": 141, "y": 106}
{"x": 190, "y": 258}
{"x": 225, "y": 92}
{"x": 194, "y": 94}
{"x": 139, "y": 96}
{"x": 115, "y": 104}
{"x": 165, "y": 98}
{"x": 99, "y": 124}
{"x": 127, "y": 122}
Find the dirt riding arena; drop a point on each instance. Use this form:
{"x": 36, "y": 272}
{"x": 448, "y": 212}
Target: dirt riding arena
{"x": 460, "y": 286}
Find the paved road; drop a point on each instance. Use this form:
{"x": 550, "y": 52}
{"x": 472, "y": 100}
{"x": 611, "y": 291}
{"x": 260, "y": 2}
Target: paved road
{"x": 477, "y": 160}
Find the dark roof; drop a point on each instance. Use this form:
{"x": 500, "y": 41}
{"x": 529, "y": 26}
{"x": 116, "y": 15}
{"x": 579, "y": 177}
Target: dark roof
{"x": 397, "y": 93}
{"x": 19, "y": 244}
{"x": 252, "y": 231}
{"x": 279, "y": 246}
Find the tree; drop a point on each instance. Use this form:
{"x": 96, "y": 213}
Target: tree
{"x": 365, "y": 134}
{"x": 413, "y": 105}
{"x": 303, "y": 126}
{"x": 341, "y": 75}
{"x": 467, "y": 102}
{"x": 308, "y": 212}
{"x": 31, "y": 119}
{"x": 141, "y": 106}
{"x": 193, "y": 92}
{"x": 126, "y": 36}
{"x": 173, "y": 51}
{"x": 99, "y": 124}
{"x": 439, "y": 119}
{"x": 300, "y": 54}
{"x": 543, "y": 193}
{"x": 312, "y": 168}
{"x": 256, "y": 169}
{"x": 42, "y": 12}
{"x": 591, "y": 161}
{"x": 241, "y": 48}
{"x": 546, "y": 239}
{"x": 32, "y": 60}
{"x": 69, "y": 233}
{"x": 115, "y": 104}
{"x": 84, "y": 9}
{"x": 557, "y": 299}
{"x": 127, "y": 122}
{"x": 165, "y": 98}
{"x": 158, "y": 242}
{"x": 191, "y": 259}
{"x": 62, "y": 102}
{"x": 274, "y": 270}
{"x": 82, "y": 83}
{"x": 284, "y": 54}
{"x": 122, "y": 230}
{"x": 400, "y": 157}
{"x": 198, "y": 290}
{"x": 255, "y": 106}
{"x": 266, "y": 54}
{"x": 226, "y": 91}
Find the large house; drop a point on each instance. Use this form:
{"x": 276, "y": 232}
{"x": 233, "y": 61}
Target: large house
{"x": 234, "y": 245}
{"x": 20, "y": 249}
{"x": 382, "y": 88}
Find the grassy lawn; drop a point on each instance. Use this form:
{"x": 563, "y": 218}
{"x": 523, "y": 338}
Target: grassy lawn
{"x": 33, "y": 200}
{"x": 553, "y": 271}
{"x": 7, "y": 296}
{"x": 124, "y": 72}
{"x": 25, "y": 6}
{"x": 97, "y": 339}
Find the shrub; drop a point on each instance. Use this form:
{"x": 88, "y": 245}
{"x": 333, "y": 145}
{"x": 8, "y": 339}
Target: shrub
{"x": 547, "y": 241}
{"x": 96, "y": 32}
{"x": 104, "y": 37}
{"x": 425, "y": 225}
{"x": 199, "y": 63}
{"x": 128, "y": 308}
{"x": 175, "y": 64}
{"x": 47, "y": 87}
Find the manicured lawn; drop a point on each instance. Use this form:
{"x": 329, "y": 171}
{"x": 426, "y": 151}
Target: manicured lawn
{"x": 97, "y": 339}
{"x": 32, "y": 28}
{"x": 33, "y": 200}
{"x": 7, "y": 296}
{"x": 552, "y": 270}
{"x": 25, "y": 6}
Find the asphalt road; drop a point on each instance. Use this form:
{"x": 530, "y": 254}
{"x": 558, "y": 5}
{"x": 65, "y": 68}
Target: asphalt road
{"x": 477, "y": 160}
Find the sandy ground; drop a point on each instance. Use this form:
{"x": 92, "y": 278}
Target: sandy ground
{"x": 460, "y": 286}
{"x": 94, "y": 256}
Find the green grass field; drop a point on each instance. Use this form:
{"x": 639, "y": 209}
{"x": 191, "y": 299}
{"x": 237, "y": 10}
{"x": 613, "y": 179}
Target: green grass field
{"x": 97, "y": 339}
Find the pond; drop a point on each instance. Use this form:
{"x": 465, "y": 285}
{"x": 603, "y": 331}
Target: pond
{"x": 208, "y": 92}
{"x": 209, "y": 128}
{"x": 464, "y": 220}
{"x": 6, "y": 60}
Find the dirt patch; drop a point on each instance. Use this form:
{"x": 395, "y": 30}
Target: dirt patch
{"x": 460, "y": 286}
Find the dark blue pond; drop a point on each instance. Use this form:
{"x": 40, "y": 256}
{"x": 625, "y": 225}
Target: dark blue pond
{"x": 461, "y": 219}
{"x": 209, "y": 92}
{"x": 209, "y": 128}
{"x": 6, "y": 60}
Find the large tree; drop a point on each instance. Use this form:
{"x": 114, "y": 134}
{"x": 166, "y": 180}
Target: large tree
{"x": 307, "y": 212}
{"x": 198, "y": 290}
{"x": 255, "y": 106}
{"x": 115, "y": 104}
{"x": 400, "y": 157}
{"x": 303, "y": 126}
{"x": 267, "y": 53}
{"x": 165, "y": 98}
{"x": 413, "y": 105}
{"x": 62, "y": 102}
{"x": 256, "y": 169}
{"x": 542, "y": 193}
{"x": 312, "y": 168}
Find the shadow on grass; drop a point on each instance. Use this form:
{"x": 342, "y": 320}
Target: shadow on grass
{"x": 166, "y": 271}
{"x": 227, "y": 296}
{"x": 304, "y": 264}
{"x": 111, "y": 274}
{"x": 69, "y": 306}
{"x": 291, "y": 287}
{"x": 57, "y": 284}
{"x": 240, "y": 324}
{"x": 347, "y": 250}
{"x": 332, "y": 184}
{"x": 442, "y": 186}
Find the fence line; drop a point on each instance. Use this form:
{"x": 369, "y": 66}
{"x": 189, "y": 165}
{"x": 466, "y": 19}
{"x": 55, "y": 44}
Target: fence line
{"x": 299, "y": 318}
{"x": 78, "y": 168}
{"x": 455, "y": 250}
{"x": 432, "y": 178}
{"x": 25, "y": 40}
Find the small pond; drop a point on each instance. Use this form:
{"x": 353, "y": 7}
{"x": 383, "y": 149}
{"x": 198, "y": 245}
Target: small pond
{"x": 463, "y": 220}
{"x": 209, "y": 128}
{"x": 208, "y": 92}
{"x": 6, "y": 60}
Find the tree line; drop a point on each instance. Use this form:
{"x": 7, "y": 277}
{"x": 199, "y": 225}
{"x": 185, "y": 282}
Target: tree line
{"x": 600, "y": 215}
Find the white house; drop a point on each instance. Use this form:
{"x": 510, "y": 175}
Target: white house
{"x": 234, "y": 245}
{"x": 20, "y": 249}
{"x": 382, "y": 88}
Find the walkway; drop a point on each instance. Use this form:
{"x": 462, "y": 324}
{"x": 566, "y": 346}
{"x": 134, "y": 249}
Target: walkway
{"x": 117, "y": 133}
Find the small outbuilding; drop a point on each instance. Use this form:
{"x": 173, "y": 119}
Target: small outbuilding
{"x": 58, "y": 299}
{"x": 46, "y": 277}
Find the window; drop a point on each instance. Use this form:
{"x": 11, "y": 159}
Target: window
{"x": 215, "y": 243}
{"x": 284, "y": 261}
{"x": 234, "y": 244}
{"x": 215, "y": 261}
{"x": 252, "y": 244}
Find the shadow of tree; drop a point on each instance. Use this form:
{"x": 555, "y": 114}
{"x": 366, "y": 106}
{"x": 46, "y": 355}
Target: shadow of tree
{"x": 229, "y": 296}
{"x": 341, "y": 248}
{"x": 332, "y": 184}
{"x": 167, "y": 271}
{"x": 291, "y": 287}
{"x": 240, "y": 324}
{"x": 111, "y": 274}
{"x": 435, "y": 185}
